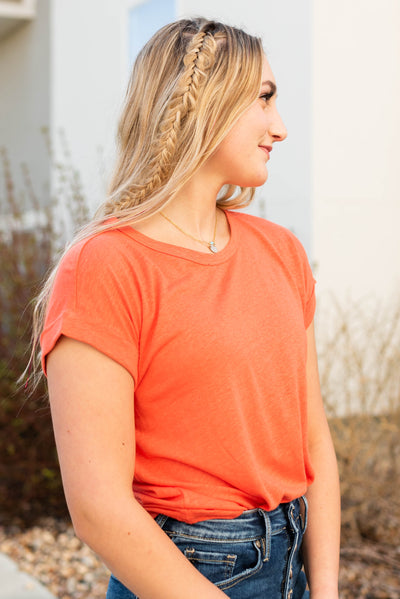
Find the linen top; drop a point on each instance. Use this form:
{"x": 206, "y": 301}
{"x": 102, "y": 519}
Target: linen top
{"x": 216, "y": 345}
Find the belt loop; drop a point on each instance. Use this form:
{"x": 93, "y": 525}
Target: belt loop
{"x": 304, "y": 514}
{"x": 267, "y": 537}
{"x": 161, "y": 520}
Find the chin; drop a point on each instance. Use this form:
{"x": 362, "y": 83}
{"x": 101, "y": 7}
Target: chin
{"x": 265, "y": 179}
{"x": 254, "y": 181}
{"x": 258, "y": 181}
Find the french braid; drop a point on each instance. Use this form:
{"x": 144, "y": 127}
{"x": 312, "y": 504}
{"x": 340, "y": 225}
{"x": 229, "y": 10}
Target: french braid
{"x": 199, "y": 58}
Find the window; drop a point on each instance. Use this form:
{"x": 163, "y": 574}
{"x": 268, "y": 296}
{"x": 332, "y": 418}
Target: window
{"x": 145, "y": 19}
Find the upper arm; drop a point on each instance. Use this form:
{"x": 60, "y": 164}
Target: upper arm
{"x": 317, "y": 423}
{"x": 91, "y": 399}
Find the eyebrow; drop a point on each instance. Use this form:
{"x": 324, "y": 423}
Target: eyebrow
{"x": 272, "y": 86}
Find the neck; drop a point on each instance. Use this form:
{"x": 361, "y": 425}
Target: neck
{"x": 194, "y": 214}
{"x": 194, "y": 208}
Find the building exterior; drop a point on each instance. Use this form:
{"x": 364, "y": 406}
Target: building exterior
{"x": 334, "y": 181}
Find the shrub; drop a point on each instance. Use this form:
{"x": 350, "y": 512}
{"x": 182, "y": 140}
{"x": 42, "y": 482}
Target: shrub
{"x": 29, "y": 240}
{"x": 359, "y": 356}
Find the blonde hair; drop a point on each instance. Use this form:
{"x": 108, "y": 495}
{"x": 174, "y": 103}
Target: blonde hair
{"x": 189, "y": 85}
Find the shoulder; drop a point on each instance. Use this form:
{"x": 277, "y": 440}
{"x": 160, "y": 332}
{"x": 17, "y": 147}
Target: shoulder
{"x": 109, "y": 251}
{"x": 257, "y": 223}
{"x": 101, "y": 272}
{"x": 105, "y": 265}
{"x": 279, "y": 248}
{"x": 95, "y": 299}
{"x": 255, "y": 227}
{"x": 275, "y": 245}
{"x": 105, "y": 244}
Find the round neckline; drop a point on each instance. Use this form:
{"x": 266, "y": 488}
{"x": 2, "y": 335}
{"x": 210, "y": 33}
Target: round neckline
{"x": 186, "y": 253}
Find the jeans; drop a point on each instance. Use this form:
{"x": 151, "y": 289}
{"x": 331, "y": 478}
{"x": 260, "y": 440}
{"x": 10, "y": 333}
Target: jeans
{"x": 254, "y": 556}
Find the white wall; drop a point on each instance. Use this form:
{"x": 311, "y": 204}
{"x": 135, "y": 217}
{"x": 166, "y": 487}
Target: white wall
{"x": 25, "y": 101}
{"x": 356, "y": 150}
{"x": 65, "y": 70}
{"x": 88, "y": 66}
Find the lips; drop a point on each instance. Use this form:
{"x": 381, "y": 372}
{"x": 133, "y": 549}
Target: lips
{"x": 267, "y": 149}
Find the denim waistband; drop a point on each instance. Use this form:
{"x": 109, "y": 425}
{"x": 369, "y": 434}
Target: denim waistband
{"x": 250, "y": 525}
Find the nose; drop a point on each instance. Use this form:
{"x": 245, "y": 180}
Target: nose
{"x": 277, "y": 128}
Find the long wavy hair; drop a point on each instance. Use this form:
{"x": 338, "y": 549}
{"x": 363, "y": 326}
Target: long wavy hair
{"x": 189, "y": 85}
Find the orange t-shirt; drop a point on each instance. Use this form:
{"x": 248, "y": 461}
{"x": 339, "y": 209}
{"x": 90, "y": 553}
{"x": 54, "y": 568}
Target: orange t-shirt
{"x": 216, "y": 344}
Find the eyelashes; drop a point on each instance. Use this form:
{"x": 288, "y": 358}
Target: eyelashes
{"x": 266, "y": 97}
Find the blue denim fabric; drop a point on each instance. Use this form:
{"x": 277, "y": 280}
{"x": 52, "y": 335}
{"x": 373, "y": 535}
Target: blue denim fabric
{"x": 254, "y": 556}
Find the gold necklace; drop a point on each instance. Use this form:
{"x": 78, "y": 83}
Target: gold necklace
{"x": 210, "y": 244}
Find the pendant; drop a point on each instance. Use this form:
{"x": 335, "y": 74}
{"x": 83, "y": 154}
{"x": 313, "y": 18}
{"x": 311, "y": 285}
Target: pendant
{"x": 212, "y": 247}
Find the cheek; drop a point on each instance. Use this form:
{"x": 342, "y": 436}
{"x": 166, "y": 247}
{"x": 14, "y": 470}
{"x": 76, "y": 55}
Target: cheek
{"x": 237, "y": 144}
{"x": 238, "y": 160}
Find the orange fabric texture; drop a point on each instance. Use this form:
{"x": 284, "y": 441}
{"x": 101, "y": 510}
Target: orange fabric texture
{"x": 216, "y": 345}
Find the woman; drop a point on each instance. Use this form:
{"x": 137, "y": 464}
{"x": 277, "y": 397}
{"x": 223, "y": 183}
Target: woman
{"x": 179, "y": 348}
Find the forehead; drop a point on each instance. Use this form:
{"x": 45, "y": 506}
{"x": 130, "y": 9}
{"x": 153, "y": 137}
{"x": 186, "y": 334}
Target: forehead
{"x": 267, "y": 74}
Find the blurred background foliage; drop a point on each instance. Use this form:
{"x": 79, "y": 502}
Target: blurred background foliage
{"x": 30, "y": 239}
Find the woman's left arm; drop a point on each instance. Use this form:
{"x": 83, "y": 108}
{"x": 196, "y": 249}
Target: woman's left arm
{"x": 322, "y": 539}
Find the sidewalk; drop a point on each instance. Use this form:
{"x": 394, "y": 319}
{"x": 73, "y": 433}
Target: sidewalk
{"x": 15, "y": 584}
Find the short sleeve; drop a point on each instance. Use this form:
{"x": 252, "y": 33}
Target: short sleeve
{"x": 95, "y": 299}
{"x": 310, "y": 301}
{"x": 305, "y": 280}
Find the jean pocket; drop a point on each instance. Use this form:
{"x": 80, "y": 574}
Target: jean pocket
{"x": 248, "y": 562}
{"x": 224, "y": 564}
{"x": 214, "y": 565}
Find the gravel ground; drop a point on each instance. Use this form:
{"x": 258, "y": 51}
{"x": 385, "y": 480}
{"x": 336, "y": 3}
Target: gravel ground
{"x": 51, "y": 553}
